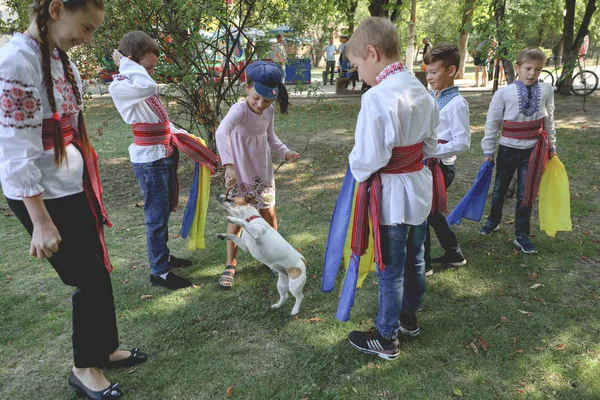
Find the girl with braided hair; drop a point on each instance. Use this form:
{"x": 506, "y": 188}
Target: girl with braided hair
{"x": 49, "y": 176}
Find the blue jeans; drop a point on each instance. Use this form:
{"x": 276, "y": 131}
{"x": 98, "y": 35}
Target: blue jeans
{"x": 507, "y": 162}
{"x": 155, "y": 178}
{"x": 402, "y": 282}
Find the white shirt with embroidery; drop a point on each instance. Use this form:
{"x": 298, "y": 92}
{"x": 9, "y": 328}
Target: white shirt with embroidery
{"x": 510, "y": 103}
{"x": 454, "y": 126}
{"x": 136, "y": 97}
{"x": 26, "y": 170}
{"x": 397, "y": 112}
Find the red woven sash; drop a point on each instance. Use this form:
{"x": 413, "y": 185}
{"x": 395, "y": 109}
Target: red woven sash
{"x": 404, "y": 159}
{"x": 160, "y": 133}
{"x": 530, "y": 130}
{"x": 438, "y": 203}
{"x": 91, "y": 177}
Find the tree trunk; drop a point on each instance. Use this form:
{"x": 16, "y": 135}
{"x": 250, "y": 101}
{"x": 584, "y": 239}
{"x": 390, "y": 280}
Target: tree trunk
{"x": 351, "y": 15}
{"x": 463, "y": 35}
{"x": 570, "y": 47}
{"x": 378, "y": 8}
{"x": 410, "y": 47}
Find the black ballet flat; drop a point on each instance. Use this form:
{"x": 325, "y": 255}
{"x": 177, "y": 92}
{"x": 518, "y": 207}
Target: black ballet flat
{"x": 110, "y": 393}
{"x": 136, "y": 357}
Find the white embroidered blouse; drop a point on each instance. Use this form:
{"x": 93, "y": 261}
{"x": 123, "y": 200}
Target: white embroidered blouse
{"x": 517, "y": 102}
{"x": 454, "y": 126}
{"x": 396, "y": 112}
{"x": 26, "y": 170}
{"x": 136, "y": 97}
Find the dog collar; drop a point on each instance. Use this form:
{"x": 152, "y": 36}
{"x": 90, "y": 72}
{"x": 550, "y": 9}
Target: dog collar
{"x": 252, "y": 217}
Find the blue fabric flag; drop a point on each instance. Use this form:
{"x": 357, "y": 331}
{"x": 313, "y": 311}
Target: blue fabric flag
{"x": 338, "y": 230}
{"x": 348, "y": 290}
{"x": 471, "y": 206}
{"x": 190, "y": 208}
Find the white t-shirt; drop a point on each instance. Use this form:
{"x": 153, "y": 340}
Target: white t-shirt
{"x": 330, "y": 50}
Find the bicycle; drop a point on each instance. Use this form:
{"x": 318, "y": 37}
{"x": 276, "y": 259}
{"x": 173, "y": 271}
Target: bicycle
{"x": 584, "y": 81}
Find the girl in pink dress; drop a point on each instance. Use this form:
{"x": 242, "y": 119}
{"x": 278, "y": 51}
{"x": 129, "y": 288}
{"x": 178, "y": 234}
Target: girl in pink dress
{"x": 245, "y": 139}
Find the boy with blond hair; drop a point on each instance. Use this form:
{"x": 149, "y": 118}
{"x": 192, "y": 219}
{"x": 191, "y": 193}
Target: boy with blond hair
{"x": 524, "y": 112}
{"x": 454, "y": 137}
{"x": 395, "y": 131}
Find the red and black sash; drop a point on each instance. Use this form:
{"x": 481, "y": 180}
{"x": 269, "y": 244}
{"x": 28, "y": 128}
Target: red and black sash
{"x": 404, "y": 159}
{"x": 438, "y": 203}
{"x": 160, "y": 133}
{"x": 91, "y": 177}
{"x": 530, "y": 130}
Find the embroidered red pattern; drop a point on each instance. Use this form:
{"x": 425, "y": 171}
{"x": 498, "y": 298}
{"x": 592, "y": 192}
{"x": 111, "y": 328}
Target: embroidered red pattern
{"x": 19, "y": 106}
{"x": 391, "y": 69}
{"x": 156, "y": 105}
{"x": 64, "y": 88}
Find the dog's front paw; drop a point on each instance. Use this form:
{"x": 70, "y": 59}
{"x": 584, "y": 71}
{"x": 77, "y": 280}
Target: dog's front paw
{"x": 221, "y": 236}
{"x": 276, "y": 305}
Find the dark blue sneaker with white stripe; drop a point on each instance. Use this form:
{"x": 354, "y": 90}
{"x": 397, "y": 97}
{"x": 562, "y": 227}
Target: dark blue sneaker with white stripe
{"x": 525, "y": 245}
{"x": 372, "y": 342}
{"x": 488, "y": 228}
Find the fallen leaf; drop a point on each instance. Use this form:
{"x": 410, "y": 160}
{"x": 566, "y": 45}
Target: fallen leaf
{"x": 512, "y": 221}
{"x": 314, "y": 276}
{"x": 229, "y": 392}
{"x": 504, "y": 319}
{"x": 124, "y": 281}
{"x": 539, "y": 348}
{"x": 474, "y": 347}
{"x": 457, "y": 391}
{"x": 542, "y": 301}
{"x": 561, "y": 346}
{"x": 519, "y": 391}
{"x": 9, "y": 277}
{"x": 498, "y": 325}
{"x": 131, "y": 371}
{"x": 146, "y": 297}
{"x": 315, "y": 319}
{"x": 528, "y": 313}
{"x": 595, "y": 188}
{"x": 518, "y": 351}
{"x": 537, "y": 285}
{"x": 139, "y": 204}
{"x": 199, "y": 318}
{"x": 482, "y": 343}
{"x": 196, "y": 286}
{"x": 523, "y": 265}
{"x": 533, "y": 275}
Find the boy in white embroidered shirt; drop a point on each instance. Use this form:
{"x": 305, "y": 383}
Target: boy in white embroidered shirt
{"x": 454, "y": 137}
{"x": 153, "y": 153}
{"x": 525, "y": 112}
{"x": 395, "y": 131}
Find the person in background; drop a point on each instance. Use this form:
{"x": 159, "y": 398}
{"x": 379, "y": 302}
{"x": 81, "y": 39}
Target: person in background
{"x": 329, "y": 52}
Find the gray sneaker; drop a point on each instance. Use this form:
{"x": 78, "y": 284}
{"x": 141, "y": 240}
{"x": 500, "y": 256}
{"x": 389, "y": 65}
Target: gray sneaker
{"x": 525, "y": 245}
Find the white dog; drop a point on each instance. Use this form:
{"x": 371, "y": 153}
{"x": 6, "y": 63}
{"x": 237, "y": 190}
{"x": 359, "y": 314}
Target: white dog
{"x": 267, "y": 246}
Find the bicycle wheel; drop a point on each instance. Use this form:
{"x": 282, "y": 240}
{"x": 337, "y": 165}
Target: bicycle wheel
{"x": 546, "y": 76}
{"x": 584, "y": 83}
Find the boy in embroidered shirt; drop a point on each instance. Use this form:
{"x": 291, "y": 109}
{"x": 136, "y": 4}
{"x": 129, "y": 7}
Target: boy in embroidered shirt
{"x": 395, "y": 131}
{"x": 454, "y": 137}
{"x": 135, "y": 95}
{"x": 525, "y": 112}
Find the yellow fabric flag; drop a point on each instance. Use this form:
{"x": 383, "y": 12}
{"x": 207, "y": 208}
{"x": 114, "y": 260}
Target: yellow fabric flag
{"x": 196, "y": 234}
{"x": 367, "y": 264}
{"x": 555, "y": 199}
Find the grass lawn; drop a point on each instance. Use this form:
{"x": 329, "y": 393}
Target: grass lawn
{"x": 485, "y": 333}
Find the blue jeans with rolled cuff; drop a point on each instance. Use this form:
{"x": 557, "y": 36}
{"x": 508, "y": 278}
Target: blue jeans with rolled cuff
{"x": 155, "y": 179}
{"x": 402, "y": 283}
{"x": 509, "y": 160}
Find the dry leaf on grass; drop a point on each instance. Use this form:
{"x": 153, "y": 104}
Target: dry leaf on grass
{"x": 537, "y": 285}
{"x": 482, "y": 343}
{"x": 457, "y": 391}
{"x": 229, "y": 392}
{"x": 528, "y": 313}
{"x": 146, "y": 297}
{"x": 504, "y": 319}
{"x": 561, "y": 346}
{"x": 512, "y": 221}
{"x": 314, "y": 320}
{"x": 139, "y": 204}
{"x": 533, "y": 275}
{"x": 124, "y": 281}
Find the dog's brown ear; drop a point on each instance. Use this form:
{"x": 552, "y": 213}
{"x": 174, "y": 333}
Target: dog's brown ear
{"x": 250, "y": 199}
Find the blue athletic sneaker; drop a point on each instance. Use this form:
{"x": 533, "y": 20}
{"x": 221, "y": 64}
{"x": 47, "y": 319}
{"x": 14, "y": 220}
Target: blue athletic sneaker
{"x": 525, "y": 245}
{"x": 488, "y": 228}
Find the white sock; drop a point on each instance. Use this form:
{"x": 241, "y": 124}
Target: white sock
{"x": 164, "y": 276}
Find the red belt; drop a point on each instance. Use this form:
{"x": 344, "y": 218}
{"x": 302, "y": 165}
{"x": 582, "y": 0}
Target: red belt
{"x": 530, "y": 130}
{"x": 439, "y": 202}
{"x": 404, "y": 159}
{"x": 160, "y": 133}
{"x": 91, "y": 177}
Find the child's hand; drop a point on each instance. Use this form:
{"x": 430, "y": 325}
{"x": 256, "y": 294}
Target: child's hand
{"x": 488, "y": 158}
{"x": 117, "y": 57}
{"x": 44, "y": 240}
{"x": 230, "y": 178}
{"x": 292, "y": 156}
{"x": 551, "y": 155}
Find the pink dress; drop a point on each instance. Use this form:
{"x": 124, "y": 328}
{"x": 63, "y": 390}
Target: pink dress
{"x": 245, "y": 139}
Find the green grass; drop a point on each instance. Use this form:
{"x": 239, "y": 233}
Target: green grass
{"x": 204, "y": 340}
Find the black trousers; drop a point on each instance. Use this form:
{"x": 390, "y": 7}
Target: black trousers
{"x": 329, "y": 69}
{"x": 79, "y": 263}
{"x": 440, "y": 225}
